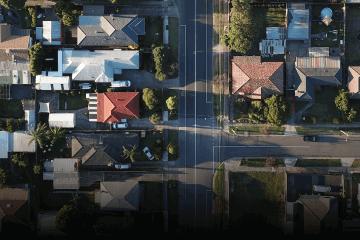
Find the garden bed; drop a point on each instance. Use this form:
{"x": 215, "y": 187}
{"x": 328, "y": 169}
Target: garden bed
{"x": 259, "y": 162}
{"x": 318, "y": 163}
{"x": 256, "y": 130}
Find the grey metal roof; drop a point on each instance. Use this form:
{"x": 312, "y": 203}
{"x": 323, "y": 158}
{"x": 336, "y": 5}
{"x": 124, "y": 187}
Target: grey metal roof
{"x": 275, "y": 33}
{"x": 110, "y": 30}
{"x": 122, "y": 196}
{"x": 298, "y": 24}
{"x": 4, "y": 144}
{"x": 66, "y": 173}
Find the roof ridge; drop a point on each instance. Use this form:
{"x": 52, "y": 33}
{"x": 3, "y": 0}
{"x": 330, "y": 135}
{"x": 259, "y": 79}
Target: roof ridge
{"x": 114, "y": 106}
{"x": 244, "y": 74}
{"x": 311, "y": 211}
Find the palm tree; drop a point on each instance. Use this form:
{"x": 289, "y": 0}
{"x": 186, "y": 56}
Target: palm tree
{"x": 130, "y": 153}
{"x": 55, "y": 133}
{"x": 38, "y": 135}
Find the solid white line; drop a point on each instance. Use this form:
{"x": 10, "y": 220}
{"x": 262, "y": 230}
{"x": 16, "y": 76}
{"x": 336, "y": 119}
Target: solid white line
{"x": 264, "y": 146}
{"x": 206, "y": 54}
{"x": 195, "y": 113}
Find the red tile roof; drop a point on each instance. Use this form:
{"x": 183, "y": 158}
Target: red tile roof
{"x": 249, "y": 74}
{"x": 114, "y": 106}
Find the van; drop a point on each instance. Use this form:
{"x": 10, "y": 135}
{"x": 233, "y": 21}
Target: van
{"x": 321, "y": 188}
{"x": 123, "y": 166}
{"x": 116, "y": 84}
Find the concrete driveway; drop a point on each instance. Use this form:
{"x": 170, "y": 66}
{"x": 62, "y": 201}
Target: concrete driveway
{"x": 144, "y": 79}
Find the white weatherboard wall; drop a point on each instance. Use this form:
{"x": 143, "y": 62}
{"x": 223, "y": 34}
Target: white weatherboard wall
{"x": 64, "y": 120}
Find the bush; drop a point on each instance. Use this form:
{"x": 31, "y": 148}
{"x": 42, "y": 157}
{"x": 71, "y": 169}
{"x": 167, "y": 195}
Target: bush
{"x": 336, "y": 120}
{"x": 10, "y": 126}
{"x": 63, "y": 6}
{"x": 277, "y": 110}
{"x": 20, "y": 124}
{"x": 32, "y": 13}
{"x": 2, "y": 125}
{"x": 155, "y": 118}
{"x": 109, "y": 90}
{"x": 271, "y": 162}
{"x": 158, "y": 153}
{"x": 313, "y": 119}
{"x": 36, "y": 52}
{"x": 13, "y": 4}
{"x": 172, "y": 103}
{"x": 173, "y": 147}
{"x": 37, "y": 169}
{"x": 150, "y": 98}
{"x": 4, "y": 178}
{"x": 160, "y": 57}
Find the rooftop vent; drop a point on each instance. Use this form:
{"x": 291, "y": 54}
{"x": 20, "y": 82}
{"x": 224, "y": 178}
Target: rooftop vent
{"x": 8, "y": 205}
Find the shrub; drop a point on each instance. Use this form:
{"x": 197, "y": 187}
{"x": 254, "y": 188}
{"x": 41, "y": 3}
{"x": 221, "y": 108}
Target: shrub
{"x": 160, "y": 57}
{"x": 158, "y": 153}
{"x": 63, "y": 6}
{"x": 173, "y": 147}
{"x": 313, "y": 119}
{"x": 155, "y": 118}
{"x": 109, "y": 90}
{"x": 277, "y": 110}
{"x": 4, "y": 178}
{"x": 37, "y": 169}
{"x": 32, "y": 13}
{"x": 20, "y": 124}
{"x": 10, "y": 125}
{"x": 2, "y": 125}
{"x": 36, "y": 52}
{"x": 153, "y": 45}
{"x": 172, "y": 103}
{"x": 271, "y": 162}
{"x": 336, "y": 120}
{"x": 13, "y": 4}
{"x": 150, "y": 98}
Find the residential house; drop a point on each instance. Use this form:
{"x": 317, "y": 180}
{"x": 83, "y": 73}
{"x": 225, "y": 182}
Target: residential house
{"x": 318, "y": 69}
{"x": 256, "y": 79}
{"x": 312, "y": 214}
{"x": 14, "y": 56}
{"x": 109, "y": 30}
{"x": 49, "y": 33}
{"x": 63, "y": 120}
{"x": 113, "y": 106}
{"x": 97, "y": 66}
{"x": 101, "y": 151}
{"x": 53, "y": 83}
{"x": 14, "y": 210}
{"x": 297, "y": 21}
{"x": 15, "y": 142}
{"x": 120, "y": 196}
{"x": 353, "y": 82}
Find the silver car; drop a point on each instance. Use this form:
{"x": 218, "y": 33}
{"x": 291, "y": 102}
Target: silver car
{"x": 120, "y": 125}
{"x": 148, "y": 154}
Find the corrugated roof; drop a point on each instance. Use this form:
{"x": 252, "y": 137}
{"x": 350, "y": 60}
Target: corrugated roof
{"x": 51, "y": 33}
{"x": 21, "y": 142}
{"x": 4, "y": 144}
{"x": 64, "y": 120}
{"x": 318, "y": 62}
{"x": 275, "y": 33}
{"x": 52, "y": 83}
{"x": 319, "y": 52}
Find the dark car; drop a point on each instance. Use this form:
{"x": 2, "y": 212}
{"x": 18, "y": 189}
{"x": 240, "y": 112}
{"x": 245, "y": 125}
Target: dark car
{"x": 310, "y": 138}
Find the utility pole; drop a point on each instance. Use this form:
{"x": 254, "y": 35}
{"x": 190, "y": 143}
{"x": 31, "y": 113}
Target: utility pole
{"x": 345, "y": 134}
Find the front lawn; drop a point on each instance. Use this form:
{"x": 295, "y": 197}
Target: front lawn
{"x": 259, "y": 162}
{"x": 153, "y": 197}
{"x": 154, "y": 32}
{"x": 318, "y": 163}
{"x": 173, "y": 43}
{"x": 73, "y": 101}
{"x": 154, "y": 141}
{"x": 11, "y": 108}
{"x": 173, "y": 135}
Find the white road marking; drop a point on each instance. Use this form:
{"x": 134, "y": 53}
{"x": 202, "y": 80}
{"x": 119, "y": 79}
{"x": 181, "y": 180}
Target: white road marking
{"x": 195, "y": 111}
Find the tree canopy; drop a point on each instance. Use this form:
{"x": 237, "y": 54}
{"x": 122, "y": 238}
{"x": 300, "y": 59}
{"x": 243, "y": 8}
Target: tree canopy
{"x": 36, "y": 52}
{"x": 277, "y": 110}
{"x": 243, "y": 28}
{"x": 150, "y": 98}
{"x": 342, "y": 101}
{"x": 172, "y": 102}
{"x": 160, "y": 56}
{"x": 13, "y": 4}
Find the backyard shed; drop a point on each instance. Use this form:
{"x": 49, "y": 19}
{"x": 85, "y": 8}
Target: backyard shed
{"x": 50, "y": 33}
{"x": 52, "y": 83}
{"x": 64, "y": 120}
{"x": 66, "y": 173}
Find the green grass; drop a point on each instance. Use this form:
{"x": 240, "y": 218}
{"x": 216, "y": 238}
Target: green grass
{"x": 255, "y": 130}
{"x": 153, "y": 196}
{"x": 74, "y": 102}
{"x": 173, "y": 38}
{"x": 322, "y": 28}
{"x": 219, "y": 181}
{"x": 327, "y": 130}
{"x": 259, "y": 162}
{"x": 173, "y": 135}
{"x": 324, "y": 108}
{"x": 356, "y": 163}
{"x": 153, "y": 26}
{"x": 318, "y": 163}
{"x": 11, "y": 108}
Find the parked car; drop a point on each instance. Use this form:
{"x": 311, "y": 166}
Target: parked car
{"x": 40, "y": 15}
{"x": 85, "y": 86}
{"x": 310, "y": 138}
{"x": 148, "y": 154}
{"x": 126, "y": 83}
{"x": 123, "y": 166}
{"x": 119, "y": 125}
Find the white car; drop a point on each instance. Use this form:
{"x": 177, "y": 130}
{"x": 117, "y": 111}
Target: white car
{"x": 119, "y": 125}
{"x": 148, "y": 154}
{"x": 85, "y": 86}
{"x": 39, "y": 16}
{"x": 123, "y": 166}
{"x": 126, "y": 83}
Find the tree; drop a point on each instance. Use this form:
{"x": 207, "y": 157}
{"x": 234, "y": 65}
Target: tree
{"x": 172, "y": 103}
{"x": 256, "y": 111}
{"x": 173, "y": 147}
{"x": 243, "y": 29}
{"x": 63, "y": 6}
{"x": 38, "y": 135}
{"x": 155, "y": 118}
{"x": 13, "y": 4}
{"x": 277, "y": 110}
{"x": 130, "y": 153}
{"x": 54, "y": 134}
{"x": 20, "y": 124}
{"x": 150, "y": 98}
{"x": 20, "y": 159}
{"x": 36, "y": 52}
{"x": 10, "y": 125}
{"x": 4, "y": 178}
{"x": 160, "y": 57}
{"x": 37, "y": 169}
{"x": 66, "y": 219}
{"x": 224, "y": 39}
{"x": 68, "y": 19}
{"x": 351, "y": 115}
{"x": 342, "y": 101}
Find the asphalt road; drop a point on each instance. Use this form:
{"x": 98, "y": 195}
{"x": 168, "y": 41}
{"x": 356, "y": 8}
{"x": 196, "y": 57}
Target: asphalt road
{"x": 199, "y": 133}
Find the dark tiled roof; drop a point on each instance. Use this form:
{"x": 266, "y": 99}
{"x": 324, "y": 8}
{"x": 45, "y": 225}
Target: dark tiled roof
{"x": 15, "y": 55}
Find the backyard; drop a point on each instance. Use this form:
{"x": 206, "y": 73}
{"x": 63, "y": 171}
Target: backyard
{"x": 72, "y": 101}
{"x": 320, "y": 29}
{"x": 257, "y": 193}
{"x": 11, "y": 108}
{"x": 352, "y": 45}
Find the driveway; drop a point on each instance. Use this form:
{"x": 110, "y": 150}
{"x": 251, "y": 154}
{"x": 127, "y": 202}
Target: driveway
{"x": 144, "y": 79}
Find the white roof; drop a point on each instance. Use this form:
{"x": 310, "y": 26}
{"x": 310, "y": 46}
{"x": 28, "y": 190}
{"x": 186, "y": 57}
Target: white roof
{"x": 51, "y": 32}
{"x": 4, "y": 144}
{"x": 21, "y": 142}
{"x": 30, "y": 120}
{"x": 64, "y": 120}
{"x": 44, "y": 107}
{"x": 52, "y": 83}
